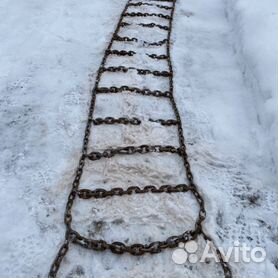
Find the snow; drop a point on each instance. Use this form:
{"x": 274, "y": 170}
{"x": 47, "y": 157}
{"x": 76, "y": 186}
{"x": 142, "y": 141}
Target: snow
{"x": 232, "y": 153}
{"x": 224, "y": 61}
{"x": 254, "y": 29}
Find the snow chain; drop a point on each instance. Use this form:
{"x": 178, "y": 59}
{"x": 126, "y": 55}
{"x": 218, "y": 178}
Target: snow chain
{"x": 71, "y": 236}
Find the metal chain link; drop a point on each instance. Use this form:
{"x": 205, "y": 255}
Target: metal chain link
{"x": 116, "y": 37}
{"x": 134, "y": 249}
{"x": 119, "y": 191}
{"x": 134, "y": 14}
{"x": 139, "y": 71}
{"x": 125, "y": 88}
{"x": 72, "y": 236}
{"x": 139, "y": 4}
{"x": 112, "y": 120}
{"x": 165, "y": 122}
{"x": 153, "y": 25}
{"x": 128, "y": 150}
{"x": 131, "y": 121}
{"x": 120, "y": 52}
{"x": 158, "y": 57}
{"x": 159, "y": 43}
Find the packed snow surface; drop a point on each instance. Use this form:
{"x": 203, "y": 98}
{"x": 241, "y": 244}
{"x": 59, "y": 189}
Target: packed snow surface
{"x": 224, "y": 58}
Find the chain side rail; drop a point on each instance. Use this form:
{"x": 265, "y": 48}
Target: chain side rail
{"x": 198, "y": 226}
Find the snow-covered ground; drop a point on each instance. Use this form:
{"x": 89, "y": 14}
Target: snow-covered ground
{"x": 253, "y": 32}
{"x": 224, "y": 61}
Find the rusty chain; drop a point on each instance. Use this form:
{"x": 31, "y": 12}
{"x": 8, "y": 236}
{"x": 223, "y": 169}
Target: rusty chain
{"x": 134, "y": 249}
{"x": 144, "y": 91}
{"x": 120, "y": 52}
{"x": 139, "y": 71}
{"x": 159, "y": 43}
{"x": 152, "y": 25}
{"x": 165, "y": 122}
{"x": 131, "y": 121}
{"x": 119, "y": 191}
{"x": 143, "y": 149}
{"x": 133, "y": 14}
{"x": 72, "y": 236}
{"x": 112, "y": 120}
{"x": 139, "y": 4}
{"x": 116, "y": 37}
{"x": 158, "y": 57}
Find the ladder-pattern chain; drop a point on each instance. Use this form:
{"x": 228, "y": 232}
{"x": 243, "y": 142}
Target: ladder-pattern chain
{"x": 71, "y": 235}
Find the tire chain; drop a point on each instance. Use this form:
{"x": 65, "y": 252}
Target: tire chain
{"x": 139, "y": 71}
{"x": 148, "y": 25}
{"x": 138, "y": 14}
{"x": 158, "y": 57}
{"x": 153, "y": 25}
{"x": 119, "y": 191}
{"x": 72, "y": 236}
{"x": 145, "y": 92}
{"x": 120, "y": 52}
{"x": 165, "y": 122}
{"x": 116, "y": 37}
{"x": 159, "y": 43}
{"x": 139, "y": 4}
{"x": 129, "y": 150}
{"x": 112, "y": 120}
{"x": 131, "y": 121}
{"x": 128, "y": 39}
{"x": 134, "y": 249}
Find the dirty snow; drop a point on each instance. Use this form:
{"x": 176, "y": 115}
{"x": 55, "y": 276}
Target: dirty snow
{"x": 226, "y": 94}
